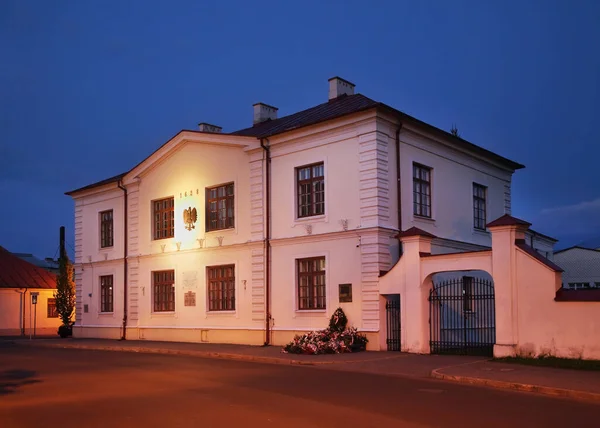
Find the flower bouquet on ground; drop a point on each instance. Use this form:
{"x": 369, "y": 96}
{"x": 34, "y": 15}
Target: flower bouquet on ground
{"x": 336, "y": 339}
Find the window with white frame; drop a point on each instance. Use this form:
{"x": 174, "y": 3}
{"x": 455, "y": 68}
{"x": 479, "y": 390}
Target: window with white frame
{"x": 221, "y": 288}
{"x": 421, "y": 190}
{"x": 106, "y": 229}
{"x": 219, "y": 207}
{"x": 311, "y": 283}
{"x": 579, "y": 285}
{"x": 163, "y": 290}
{"x": 106, "y": 293}
{"x": 479, "y": 206}
{"x": 163, "y": 212}
{"x": 310, "y": 182}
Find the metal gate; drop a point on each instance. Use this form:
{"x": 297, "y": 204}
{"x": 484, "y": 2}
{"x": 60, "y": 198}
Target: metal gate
{"x": 462, "y": 317}
{"x": 392, "y": 310}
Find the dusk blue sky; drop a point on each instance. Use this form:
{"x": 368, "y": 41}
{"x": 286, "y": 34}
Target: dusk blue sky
{"x": 90, "y": 88}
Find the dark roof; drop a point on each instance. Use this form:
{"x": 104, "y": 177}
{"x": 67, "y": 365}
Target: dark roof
{"x": 17, "y": 273}
{"x": 508, "y": 220}
{"x": 99, "y": 183}
{"x": 349, "y": 104}
{"x": 48, "y": 264}
{"x": 415, "y": 231}
{"x": 337, "y": 107}
{"x": 520, "y": 243}
{"x": 333, "y": 109}
{"x": 536, "y": 233}
{"x": 591, "y": 243}
{"x": 576, "y": 247}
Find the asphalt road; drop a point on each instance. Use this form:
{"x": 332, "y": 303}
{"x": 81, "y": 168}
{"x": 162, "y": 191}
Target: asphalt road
{"x": 75, "y": 388}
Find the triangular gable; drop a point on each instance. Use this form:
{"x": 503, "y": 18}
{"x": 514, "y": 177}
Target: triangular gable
{"x": 181, "y": 139}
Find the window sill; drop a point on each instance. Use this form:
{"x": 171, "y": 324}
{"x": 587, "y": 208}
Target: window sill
{"x": 318, "y": 218}
{"x": 309, "y": 312}
{"x": 481, "y": 232}
{"x": 220, "y": 313}
{"x": 162, "y": 314}
{"x": 172, "y": 238}
{"x": 112, "y": 247}
{"x": 422, "y": 218}
{"x": 227, "y": 230}
{"x": 106, "y": 314}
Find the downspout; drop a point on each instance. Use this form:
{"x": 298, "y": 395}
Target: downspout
{"x": 23, "y": 300}
{"x": 398, "y": 186}
{"x": 120, "y": 184}
{"x": 267, "y": 152}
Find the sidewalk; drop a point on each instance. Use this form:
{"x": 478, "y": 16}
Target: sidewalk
{"x": 577, "y": 384}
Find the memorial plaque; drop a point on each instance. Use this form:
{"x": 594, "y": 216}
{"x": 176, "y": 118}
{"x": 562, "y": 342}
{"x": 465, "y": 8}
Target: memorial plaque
{"x": 345, "y": 293}
{"x": 189, "y": 299}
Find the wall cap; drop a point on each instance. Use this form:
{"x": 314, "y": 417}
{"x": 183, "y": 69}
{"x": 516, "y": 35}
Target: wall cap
{"x": 508, "y": 220}
{"x": 588, "y": 295}
{"x": 522, "y": 245}
{"x": 415, "y": 231}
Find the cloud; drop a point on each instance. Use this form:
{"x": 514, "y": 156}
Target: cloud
{"x": 584, "y": 207}
{"x": 571, "y": 222}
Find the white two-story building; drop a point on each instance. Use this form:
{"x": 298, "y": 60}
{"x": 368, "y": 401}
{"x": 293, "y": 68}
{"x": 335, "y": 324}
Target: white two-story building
{"x": 256, "y": 235}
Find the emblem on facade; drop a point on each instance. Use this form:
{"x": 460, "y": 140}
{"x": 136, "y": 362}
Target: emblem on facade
{"x": 190, "y": 216}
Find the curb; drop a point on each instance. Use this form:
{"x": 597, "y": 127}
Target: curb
{"x": 515, "y": 386}
{"x": 199, "y": 354}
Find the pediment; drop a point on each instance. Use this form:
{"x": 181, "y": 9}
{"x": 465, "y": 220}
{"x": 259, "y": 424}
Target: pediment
{"x": 179, "y": 141}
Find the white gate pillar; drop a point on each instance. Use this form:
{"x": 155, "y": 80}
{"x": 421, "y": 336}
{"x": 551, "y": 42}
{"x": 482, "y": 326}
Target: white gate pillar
{"x": 505, "y": 231}
{"x": 415, "y": 305}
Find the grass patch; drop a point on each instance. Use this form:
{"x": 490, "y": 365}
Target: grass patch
{"x": 555, "y": 362}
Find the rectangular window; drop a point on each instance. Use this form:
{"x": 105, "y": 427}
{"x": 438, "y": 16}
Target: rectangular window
{"x": 221, "y": 288}
{"x": 467, "y": 293}
{"x": 219, "y": 207}
{"x": 311, "y": 283}
{"x": 421, "y": 190}
{"x": 163, "y": 290}
{"x": 106, "y": 229}
{"x": 106, "y": 293}
{"x": 479, "y": 208}
{"x": 579, "y": 285}
{"x": 51, "y": 310}
{"x": 164, "y": 218}
{"x": 311, "y": 190}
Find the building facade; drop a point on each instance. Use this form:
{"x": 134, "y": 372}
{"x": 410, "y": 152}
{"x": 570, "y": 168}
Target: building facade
{"x": 260, "y": 234}
{"x": 21, "y": 284}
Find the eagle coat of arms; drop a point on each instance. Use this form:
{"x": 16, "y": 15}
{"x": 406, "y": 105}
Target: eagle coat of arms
{"x": 190, "y": 215}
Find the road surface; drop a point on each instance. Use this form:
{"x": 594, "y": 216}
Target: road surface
{"x": 75, "y": 388}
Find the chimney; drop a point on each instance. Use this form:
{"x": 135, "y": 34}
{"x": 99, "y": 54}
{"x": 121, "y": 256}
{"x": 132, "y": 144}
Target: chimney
{"x": 264, "y": 112}
{"x": 207, "y": 127}
{"x": 339, "y": 87}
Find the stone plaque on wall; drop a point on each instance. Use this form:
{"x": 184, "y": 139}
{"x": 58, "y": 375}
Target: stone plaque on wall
{"x": 189, "y": 299}
{"x": 345, "y": 293}
{"x": 190, "y": 279}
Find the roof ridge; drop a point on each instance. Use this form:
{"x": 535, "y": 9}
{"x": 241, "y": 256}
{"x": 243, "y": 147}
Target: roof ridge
{"x": 330, "y": 103}
{"x": 578, "y": 247}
